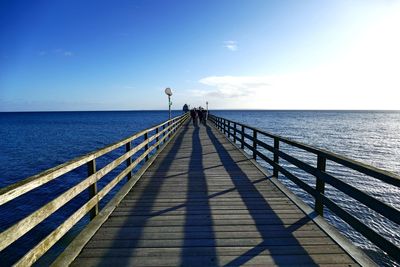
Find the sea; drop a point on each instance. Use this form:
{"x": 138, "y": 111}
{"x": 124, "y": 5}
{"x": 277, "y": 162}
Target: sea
{"x": 31, "y": 142}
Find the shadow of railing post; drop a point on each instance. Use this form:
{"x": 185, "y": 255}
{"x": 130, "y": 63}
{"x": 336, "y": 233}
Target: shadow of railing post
{"x": 246, "y": 188}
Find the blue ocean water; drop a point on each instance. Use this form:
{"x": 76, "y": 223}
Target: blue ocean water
{"x": 35, "y": 141}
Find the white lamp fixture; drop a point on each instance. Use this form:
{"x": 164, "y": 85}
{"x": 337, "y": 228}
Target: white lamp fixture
{"x": 168, "y": 92}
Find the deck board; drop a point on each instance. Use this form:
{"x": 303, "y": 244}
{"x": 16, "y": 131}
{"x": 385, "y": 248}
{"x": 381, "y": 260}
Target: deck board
{"x": 203, "y": 203}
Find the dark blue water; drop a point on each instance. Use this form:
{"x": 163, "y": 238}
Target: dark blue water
{"x": 33, "y": 142}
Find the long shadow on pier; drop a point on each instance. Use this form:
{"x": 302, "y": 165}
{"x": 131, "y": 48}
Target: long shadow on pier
{"x": 144, "y": 204}
{"x": 197, "y": 200}
{"x": 254, "y": 201}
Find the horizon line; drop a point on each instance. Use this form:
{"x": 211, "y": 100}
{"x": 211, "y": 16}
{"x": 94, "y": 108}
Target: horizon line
{"x": 174, "y": 110}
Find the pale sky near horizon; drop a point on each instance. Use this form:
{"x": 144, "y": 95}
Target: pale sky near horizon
{"x": 254, "y": 54}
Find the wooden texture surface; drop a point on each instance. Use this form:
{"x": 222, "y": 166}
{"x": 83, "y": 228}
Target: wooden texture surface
{"x": 203, "y": 203}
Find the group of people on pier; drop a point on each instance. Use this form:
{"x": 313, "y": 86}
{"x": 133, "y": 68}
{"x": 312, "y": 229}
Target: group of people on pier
{"x": 199, "y": 115}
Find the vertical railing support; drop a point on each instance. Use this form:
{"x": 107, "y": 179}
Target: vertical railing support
{"x": 157, "y": 139}
{"x": 169, "y": 130}
{"x": 224, "y": 121}
{"x": 163, "y": 127}
{"x": 229, "y": 129}
{"x": 146, "y": 146}
{"x": 128, "y": 148}
{"x": 276, "y": 157}
{"x": 242, "y": 141}
{"x": 234, "y": 132}
{"x": 254, "y": 144}
{"x": 93, "y": 188}
{"x": 320, "y": 185}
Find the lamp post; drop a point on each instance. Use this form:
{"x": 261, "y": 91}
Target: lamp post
{"x": 206, "y": 111}
{"x": 168, "y": 92}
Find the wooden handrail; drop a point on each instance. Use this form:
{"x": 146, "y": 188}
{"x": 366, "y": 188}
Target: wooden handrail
{"x": 14, "y": 232}
{"x": 369, "y": 170}
{"x": 322, "y": 177}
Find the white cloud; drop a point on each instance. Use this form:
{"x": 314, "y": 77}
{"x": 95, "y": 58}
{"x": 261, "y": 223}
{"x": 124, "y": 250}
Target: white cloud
{"x": 365, "y": 76}
{"x": 68, "y": 53}
{"x": 231, "y": 45}
{"x": 233, "y": 86}
{"x": 327, "y": 87}
{"x": 63, "y": 52}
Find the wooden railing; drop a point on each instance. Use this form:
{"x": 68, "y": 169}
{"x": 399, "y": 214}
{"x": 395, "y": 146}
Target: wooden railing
{"x": 152, "y": 139}
{"x": 237, "y": 133}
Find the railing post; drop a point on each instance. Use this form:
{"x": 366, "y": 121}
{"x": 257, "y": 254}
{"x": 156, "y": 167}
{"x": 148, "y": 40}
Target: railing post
{"x": 163, "y": 127}
{"x": 93, "y": 188}
{"x": 254, "y": 143}
{"x": 224, "y": 126}
{"x": 157, "y": 139}
{"x": 128, "y": 147}
{"x": 229, "y": 129}
{"x": 242, "y": 141}
{"x": 320, "y": 185}
{"x": 146, "y": 146}
{"x": 234, "y": 132}
{"x": 276, "y": 157}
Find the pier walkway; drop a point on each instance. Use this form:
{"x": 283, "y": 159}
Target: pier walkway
{"x": 203, "y": 202}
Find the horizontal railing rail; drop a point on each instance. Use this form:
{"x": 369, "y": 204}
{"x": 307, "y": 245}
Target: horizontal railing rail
{"x": 237, "y": 133}
{"x": 153, "y": 137}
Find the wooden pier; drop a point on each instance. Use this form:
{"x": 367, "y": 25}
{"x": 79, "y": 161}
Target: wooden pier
{"x": 198, "y": 201}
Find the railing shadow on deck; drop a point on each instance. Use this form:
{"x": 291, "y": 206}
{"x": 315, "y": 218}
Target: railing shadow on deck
{"x": 234, "y": 170}
{"x": 145, "y": 204}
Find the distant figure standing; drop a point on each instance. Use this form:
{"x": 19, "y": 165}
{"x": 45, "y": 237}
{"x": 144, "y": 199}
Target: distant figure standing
{"x": 193, "y": 114}
{"x": 205, "y": 116}
{"x": 200, "y": 113}
{"x": 185, "y": 108}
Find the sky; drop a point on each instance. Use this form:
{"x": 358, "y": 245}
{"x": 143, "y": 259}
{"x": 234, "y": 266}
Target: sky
{"x": 235, "y": 54}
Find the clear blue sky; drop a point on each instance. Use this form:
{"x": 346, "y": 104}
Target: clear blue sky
{"x": 112, "y": 55}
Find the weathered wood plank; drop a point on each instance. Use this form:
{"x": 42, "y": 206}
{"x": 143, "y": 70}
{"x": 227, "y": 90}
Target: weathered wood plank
{"x": 226, "y": 242}
{"x": 260, "y": 260}
{"x": 122, "y": 234}
{"x": 217, "y": 228}
{"x": 206, "y": 251}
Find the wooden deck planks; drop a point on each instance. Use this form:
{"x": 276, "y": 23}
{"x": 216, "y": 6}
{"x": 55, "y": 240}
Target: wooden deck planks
{"x": 202, "y": 203}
